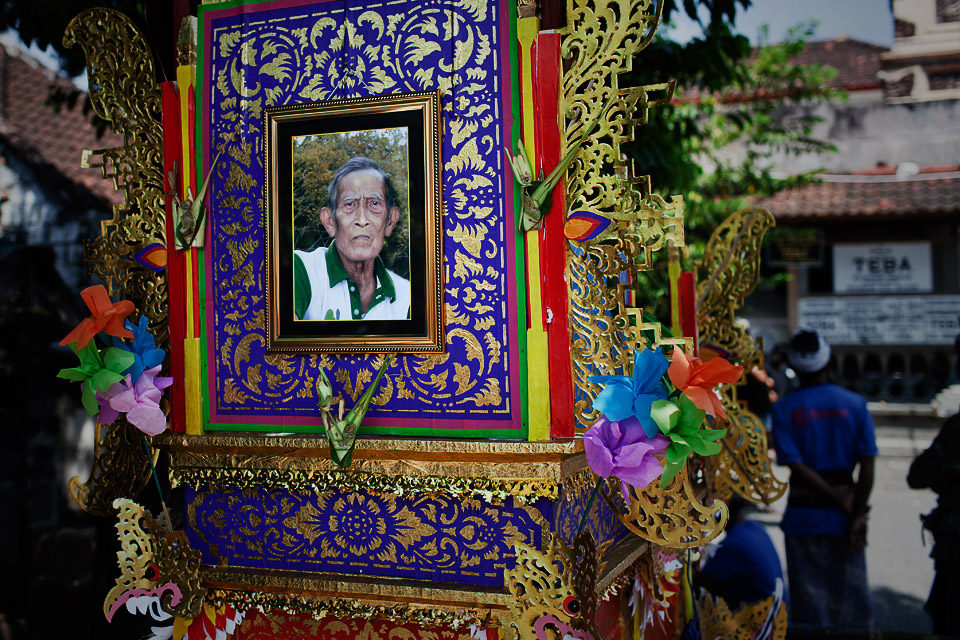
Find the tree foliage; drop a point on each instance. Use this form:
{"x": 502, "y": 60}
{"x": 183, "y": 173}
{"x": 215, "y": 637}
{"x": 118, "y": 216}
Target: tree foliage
{"x": 316, "y": 159}
{"x": 735, "y": 111}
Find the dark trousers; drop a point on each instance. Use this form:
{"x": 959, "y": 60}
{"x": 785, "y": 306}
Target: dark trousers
{"x": 828, "y": 583}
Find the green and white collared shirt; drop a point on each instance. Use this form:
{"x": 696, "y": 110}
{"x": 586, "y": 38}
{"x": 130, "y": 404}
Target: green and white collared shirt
{"x": 322, "y": 290}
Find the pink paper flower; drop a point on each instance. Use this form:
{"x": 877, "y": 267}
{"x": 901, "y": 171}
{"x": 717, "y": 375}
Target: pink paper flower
{"x": 139, "y": 400}
{"x": 696, "y": 379}
{"x": 621, "y": 449}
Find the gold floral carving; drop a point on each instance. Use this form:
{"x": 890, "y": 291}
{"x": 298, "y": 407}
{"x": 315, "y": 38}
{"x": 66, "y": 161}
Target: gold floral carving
{"x": 671, "y": 517}
{"x": 434, "y": 614}
{"x": 764, "y": 619}
{"x": 732, "y": 262}
{"x": 731, "y": 268}
{"x": 743, "y": 465}
{"x": 120, "y": 468}
{"x": 366, "y": 53}
{"x": 145, "y": 542}
{"x": 543, "y": 582}
{"x": 495, "y": 470}
{"x": 124, "y": 92}
{"x": 600, "y": 43}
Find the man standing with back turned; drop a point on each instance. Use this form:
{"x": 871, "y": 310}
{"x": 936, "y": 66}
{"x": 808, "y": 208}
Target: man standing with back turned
{"x": 823, "y": 432}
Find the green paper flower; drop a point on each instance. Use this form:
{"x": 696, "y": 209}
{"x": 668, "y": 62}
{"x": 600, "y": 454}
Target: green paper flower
{"x": 97, "y": 372}
{"x": 681, "y": 421}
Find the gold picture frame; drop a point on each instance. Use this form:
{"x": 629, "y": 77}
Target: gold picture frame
{"x": 324, "y": 225}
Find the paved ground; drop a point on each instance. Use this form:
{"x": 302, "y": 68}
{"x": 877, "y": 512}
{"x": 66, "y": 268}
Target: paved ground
{"x": 898, "y": 565}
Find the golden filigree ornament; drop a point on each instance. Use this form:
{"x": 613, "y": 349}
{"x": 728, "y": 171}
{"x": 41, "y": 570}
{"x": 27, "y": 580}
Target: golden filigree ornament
{"x": 120, "y": 468}
{"x": 600, "y": 43}
{"x": 672, "y": 517}
{"x": 124, "y": 92}
{"x": 732, "y": 258}
{"x": 744, "y": 466}
{"x": 554, "y": 589}
{"x": 159, "y": 572}
{"x": 762, "y": 620}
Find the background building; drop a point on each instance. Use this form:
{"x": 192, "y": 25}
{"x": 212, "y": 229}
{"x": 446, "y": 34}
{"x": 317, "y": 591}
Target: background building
{"x": 873, "y": 249}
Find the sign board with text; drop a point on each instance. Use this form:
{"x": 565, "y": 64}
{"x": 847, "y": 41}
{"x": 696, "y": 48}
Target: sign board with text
{"x": 884, "y": 267}
{"x": 883, "y": 320}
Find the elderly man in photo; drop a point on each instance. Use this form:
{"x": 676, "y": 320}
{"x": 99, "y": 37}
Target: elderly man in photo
{"x": 347, "y": 280}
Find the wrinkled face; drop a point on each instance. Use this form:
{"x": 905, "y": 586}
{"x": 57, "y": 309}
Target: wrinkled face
{"x": 362, "y": 220}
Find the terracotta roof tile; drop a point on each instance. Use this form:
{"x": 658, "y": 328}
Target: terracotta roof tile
{"x": 46, "y": 139}
{"x": 877, "y": 196}
{"x": 857, "y": 63}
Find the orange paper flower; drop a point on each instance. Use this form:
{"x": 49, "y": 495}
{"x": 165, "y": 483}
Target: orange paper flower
{"x": 105, "y": 316}
{"x": 696, "y": 379}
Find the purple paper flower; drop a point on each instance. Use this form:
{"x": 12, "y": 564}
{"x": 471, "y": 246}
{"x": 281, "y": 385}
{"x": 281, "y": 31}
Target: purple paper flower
{"x": 623, "y": 397}
{"x": 139, "y": 400}
{"x": 622, "y": 449}
{"x": 146, "y": 355}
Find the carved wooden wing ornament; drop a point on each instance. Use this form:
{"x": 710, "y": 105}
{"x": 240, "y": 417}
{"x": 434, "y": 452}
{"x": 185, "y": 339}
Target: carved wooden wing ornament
{"x": 124, "y": 92}
{"x": 731, "y": 268}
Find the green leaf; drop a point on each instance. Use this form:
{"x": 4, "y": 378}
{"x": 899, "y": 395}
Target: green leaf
{"x": 101, "y": 380}
{"x": 118, "y": 360}
{"x": 89, "y": 399}
{"x": 666, "y": 414}
{"x": 704, "y": 448}
{"x": 75, "y": 374}
{"x": 677, "y": 452}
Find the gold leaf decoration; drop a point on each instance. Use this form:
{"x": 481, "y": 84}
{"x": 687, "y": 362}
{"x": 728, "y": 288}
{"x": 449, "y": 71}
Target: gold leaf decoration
{"x": 672, "y": 517}
{"x": 732, "y": 260}
{"x": 124, "y": 92}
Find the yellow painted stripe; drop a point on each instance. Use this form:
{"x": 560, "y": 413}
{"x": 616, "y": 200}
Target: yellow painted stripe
{"x": 188, "y": 287}
{"x": 191, "y": 357}
{"x": 538, "y": 370}
{"x": 186, "y": 78}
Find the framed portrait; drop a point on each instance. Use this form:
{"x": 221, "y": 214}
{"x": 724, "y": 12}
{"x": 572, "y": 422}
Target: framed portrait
{"x": 353, "y": 225}
{"x": 423, "y": 94}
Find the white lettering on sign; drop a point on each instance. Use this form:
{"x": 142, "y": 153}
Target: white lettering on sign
{"x": 887, "y": 267}
{"x": 883, "y": 320}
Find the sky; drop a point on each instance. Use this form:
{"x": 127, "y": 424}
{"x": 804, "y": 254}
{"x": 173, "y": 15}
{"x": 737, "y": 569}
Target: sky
{"x": 867, "y": 20}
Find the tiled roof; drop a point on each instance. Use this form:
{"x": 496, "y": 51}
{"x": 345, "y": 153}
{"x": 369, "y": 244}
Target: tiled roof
{"x": 857, "y": 63}
{"x": 52, "y": 143}
{"x": 929, "y": 193}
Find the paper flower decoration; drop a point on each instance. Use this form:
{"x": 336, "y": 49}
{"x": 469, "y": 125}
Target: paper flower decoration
{"x": 697, "y": 379}
{"x": 140, "y": 400}
{"x": 146, "y": 355}
{"x": 623, "y": 396}
{"x": 105, "y": 316}
{"x": 681, "y": 422}
{"x": 97, "y": 372}
{"x": 622, "y": 449}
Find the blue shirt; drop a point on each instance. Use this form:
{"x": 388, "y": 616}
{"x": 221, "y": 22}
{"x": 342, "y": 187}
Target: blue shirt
{"x": 745, "y": 565}
{"x": 826, "y": 428}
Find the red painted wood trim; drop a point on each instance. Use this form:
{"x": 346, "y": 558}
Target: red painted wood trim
{"x": 688, "y": 308}
{"x": 177, "y": 317}
{"x": 553, "y": 249}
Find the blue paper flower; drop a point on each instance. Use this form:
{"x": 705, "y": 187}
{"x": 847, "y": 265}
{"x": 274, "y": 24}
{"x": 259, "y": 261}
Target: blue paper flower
{"x": 146, "y": 355}
{"x": 623, "y": 397}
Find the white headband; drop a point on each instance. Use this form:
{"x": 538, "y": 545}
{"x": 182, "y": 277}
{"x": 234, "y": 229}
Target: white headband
{"x": 810, "y": 361}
